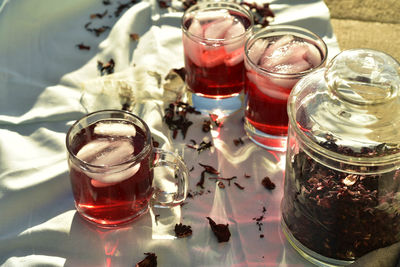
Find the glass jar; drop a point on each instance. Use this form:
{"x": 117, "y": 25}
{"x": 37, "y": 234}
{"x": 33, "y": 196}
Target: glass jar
{"x": 342, "y": 180}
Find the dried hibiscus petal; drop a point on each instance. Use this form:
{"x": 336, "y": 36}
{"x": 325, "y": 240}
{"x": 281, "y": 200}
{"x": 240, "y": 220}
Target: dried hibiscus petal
{"x": 267, "y": 183}
{"x": 182, "y": 230}
{"x": 209, "y": 169}
{"x": 82, "y": 46}
{"x": 221, "y": 231}
{"x": 149, "y": 261}
{"x": 106, "y": 68}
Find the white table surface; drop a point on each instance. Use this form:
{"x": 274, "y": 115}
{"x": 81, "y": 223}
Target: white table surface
{"x": 42, "y": 74}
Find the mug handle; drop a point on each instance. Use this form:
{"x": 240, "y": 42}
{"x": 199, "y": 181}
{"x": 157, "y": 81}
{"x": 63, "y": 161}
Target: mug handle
{"x": 163, "y": 198}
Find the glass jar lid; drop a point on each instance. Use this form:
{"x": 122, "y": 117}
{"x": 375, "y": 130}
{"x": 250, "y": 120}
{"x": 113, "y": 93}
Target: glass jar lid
{"x": 350, "y": 110}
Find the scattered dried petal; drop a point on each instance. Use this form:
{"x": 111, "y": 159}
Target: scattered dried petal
{"x": 81, "y": 46}
{"x": 149, "y": 261}
{"x": 107, "y": 68}
{"x": 182, "y": 230}
{"x": 98, "y": 15}
{"x": 267, "y": 183}
{"x": 239, "y": 186}
{"x": 134, "y": 36}
{"x": 209, "y": 169}
{"x": 221, "y": 231}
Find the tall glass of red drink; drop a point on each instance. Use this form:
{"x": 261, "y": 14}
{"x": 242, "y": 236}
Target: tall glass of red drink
{"x": 214, "y": 34}
{"x": 111, "y": 161}
{"x": 276, "y": 58}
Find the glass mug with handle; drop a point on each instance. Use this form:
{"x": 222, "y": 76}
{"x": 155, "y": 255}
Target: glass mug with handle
{"x": 111, "y": 161}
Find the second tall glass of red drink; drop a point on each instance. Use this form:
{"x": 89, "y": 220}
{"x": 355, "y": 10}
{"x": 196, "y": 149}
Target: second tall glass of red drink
{"x": 276, "y": 58}
{"x": 214, "y": 34}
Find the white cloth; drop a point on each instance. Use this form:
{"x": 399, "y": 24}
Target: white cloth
{"x": 42, "y": 74}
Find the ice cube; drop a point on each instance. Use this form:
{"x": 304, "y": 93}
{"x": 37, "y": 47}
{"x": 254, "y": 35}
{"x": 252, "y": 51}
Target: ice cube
{"x": 195, "y": 28}
{"x": 117, "y": 152}
{"x": 109, "y": 179}
{"x": 284, "y": 40}
{"x": 193, "y": 50}
{"x": 295, "y": 67}
{"x": 234, "y": 30}
{"x": 213, "y": 57}
{"x": 107, "y": 156}
{"x": 267, "y": 87}
{"x": 235, "y": 57}
{"x": 284, "y": 56}
{"x": 217, "y": 28}
{"x": 115, "y": 129}
{"x": 206, "y": 16}
{"x": 257, "y": 50}
{"x": 313, "y": 56}
{"x": 89, "y": 151}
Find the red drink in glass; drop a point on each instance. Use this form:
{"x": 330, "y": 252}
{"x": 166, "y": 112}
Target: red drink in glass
{"x": 111, "y": 162}
{"x": 214, "y": 35}
{"x": 276, "y": 58}
{"x": 111, "y": 198}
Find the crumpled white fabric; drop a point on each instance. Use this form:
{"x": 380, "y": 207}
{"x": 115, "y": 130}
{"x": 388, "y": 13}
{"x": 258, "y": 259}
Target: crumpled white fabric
{"x": 46, "y": 83}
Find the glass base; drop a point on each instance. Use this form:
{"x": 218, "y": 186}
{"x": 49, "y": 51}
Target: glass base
{"x": 218, "y": 106}
{"x": 308, "y": 254}
{"x": 109, "y": 224}
{"x": 267, "y": 141}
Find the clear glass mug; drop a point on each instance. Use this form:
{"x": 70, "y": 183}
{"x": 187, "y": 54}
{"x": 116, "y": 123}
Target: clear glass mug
{"x": 214, "y": 34}
{"x": 111, "y": 161}
{"x": 276, "y": 58}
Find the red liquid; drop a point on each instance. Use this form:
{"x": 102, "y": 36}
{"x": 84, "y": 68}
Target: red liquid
{"x": 266, "y": 113}
{"x": 218, "y": 69}
{"x": 113, "y": 203}
{"x": 220, "y": 81}
{"x": 266, "y": 93}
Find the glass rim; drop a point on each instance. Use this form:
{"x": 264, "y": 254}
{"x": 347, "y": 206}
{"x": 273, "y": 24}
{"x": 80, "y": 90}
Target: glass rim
{"x": 214, "y": 40}
{"x": 134, "y": 159}
{"x": 286, "y": 29}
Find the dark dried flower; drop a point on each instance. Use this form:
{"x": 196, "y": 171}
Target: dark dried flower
{"x": 229, "y": 179}
{"x": 122, "y": 7}
{"x": 175, "y": 117}
{"x": 238, "y": 141}
{"x": 149, "y": 261}
{"x": 203, "y": 146}
{"x": 202, "y": 180}
{"x": 247, "y": 176}
{"x": 106, "y": 2}
{"x": 107, "y": 68}
{"x": 81, "y": 46}
{"x": 182, "y": 230}
{"x": 134, "y": 36}
{"x": 262, "y": 13}
{"x": 221, "y": 231}
{"x": 221, "y": 185}
{"x": 340, "y": 214}
{"x": 209, "y": 169}
{"x": 98, "y": 15}
{"x": 239, "y": 186}
{"x": 267, "y": 183}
